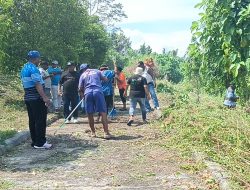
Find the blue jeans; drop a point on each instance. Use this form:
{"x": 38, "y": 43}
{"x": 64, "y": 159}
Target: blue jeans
{"x": 152, "y": 92}
{"x": 73, "y": 101}
{"x": 133, "y": 103}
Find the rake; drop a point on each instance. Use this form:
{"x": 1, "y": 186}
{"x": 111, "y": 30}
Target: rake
{"x": 63, "y": 124}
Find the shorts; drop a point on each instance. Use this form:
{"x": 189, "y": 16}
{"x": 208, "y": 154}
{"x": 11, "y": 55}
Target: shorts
{"x": 95, "y": 102}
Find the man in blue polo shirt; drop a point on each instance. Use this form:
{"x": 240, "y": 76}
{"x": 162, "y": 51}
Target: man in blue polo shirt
{"x": 56, "y": 72}
{"x": 107, "y": 86}
{"x": 36, "y": 101}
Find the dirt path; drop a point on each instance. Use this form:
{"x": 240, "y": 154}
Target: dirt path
{"x": 134, "y": 159}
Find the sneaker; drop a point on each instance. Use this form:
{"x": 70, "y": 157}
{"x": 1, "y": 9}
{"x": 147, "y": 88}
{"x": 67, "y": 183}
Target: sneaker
{"x": 67, "y": 122}
{"x": 149, "y": 110}
{"x": 107, "y": 136}
{"x": 157, "y": 108}
{"x": 45, "y": 146}
{"x": 75, "y": 121}
{"x": 130, "y": 122}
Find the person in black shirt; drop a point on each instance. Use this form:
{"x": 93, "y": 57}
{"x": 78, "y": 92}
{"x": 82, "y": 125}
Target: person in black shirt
{"x": 69, "y": 81}
{"x": 138, "y": 92}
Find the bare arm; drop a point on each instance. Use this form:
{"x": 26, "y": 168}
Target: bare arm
{"x": 126, "y": 91}
{"x": 104, "y": 78}
{"x": 115, "y": 66}
{"x": 60, "y": 89}
{"x": 81, "y": 92}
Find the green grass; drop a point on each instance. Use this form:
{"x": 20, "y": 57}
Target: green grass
{"x": 6, "y": 134}
{"x": 13, "y": 114}
{"x": 223, "y": 134}
{"x": 13, "y": 117}
{"x": 4, "y": 185}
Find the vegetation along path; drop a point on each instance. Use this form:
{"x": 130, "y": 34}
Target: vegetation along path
{"x": 133, "y": 159}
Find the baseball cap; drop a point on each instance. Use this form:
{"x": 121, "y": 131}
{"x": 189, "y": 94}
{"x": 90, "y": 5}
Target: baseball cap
{"x": 84, "y": 66}
{"x": 55, "y": 62}
{"x": 70, "y": 64}
{"x": 103, "y": 67}
{"x": 34, "y": 54}
{"x": 119, "y": 69}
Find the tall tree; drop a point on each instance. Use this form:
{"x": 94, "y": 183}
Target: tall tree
{"x": 120, "y": 48}
{"x": 5, "y": 23}
{"x": 145, "y": 49}
{"x": 220, "y": 47}
{"x": 60, "y": 29}
{"x": 108, "y": 11}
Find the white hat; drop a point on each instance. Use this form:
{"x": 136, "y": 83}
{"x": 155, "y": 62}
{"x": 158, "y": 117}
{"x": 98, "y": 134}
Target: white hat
{"x": 139, "y": 71}
{"x": 55, "y": 62}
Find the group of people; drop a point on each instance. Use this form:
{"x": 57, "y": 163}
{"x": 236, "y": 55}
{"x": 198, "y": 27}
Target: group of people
{"x": 95, "y": 86}
{"x": 51, "y": 76}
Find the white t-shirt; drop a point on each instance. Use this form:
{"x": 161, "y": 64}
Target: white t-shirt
{"x": 44, "y": 74}
{"x": 148, "y": 77}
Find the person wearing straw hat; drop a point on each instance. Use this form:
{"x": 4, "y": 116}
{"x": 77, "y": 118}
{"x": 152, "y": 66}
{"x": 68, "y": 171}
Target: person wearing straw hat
{"x": 138, "y": 92}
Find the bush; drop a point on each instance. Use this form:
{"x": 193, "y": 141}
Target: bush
{"x": 221, "y": 133}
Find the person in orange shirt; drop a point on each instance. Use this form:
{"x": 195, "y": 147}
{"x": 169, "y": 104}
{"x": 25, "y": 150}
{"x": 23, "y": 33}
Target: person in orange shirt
{"x": 122, "y": 84}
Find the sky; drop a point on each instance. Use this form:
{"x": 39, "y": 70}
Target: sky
{"x": 159, "y": 23}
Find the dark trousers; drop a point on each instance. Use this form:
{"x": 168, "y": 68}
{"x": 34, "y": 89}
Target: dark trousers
{"x": 109, "y": 102}
{"x": 37, "y": 112}
{"x": 70, "y": 100}
{"x": 121, "y": 91}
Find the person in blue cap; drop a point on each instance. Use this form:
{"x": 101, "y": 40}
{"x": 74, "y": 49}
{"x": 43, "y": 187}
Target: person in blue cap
{"x": 36, "y": 100}
{"x": 90, "y": 87}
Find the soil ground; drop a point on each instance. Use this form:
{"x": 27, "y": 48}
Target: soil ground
{"x": 134, "y": 159}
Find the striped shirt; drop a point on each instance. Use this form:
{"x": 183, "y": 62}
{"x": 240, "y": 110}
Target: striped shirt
{"x": 30, "y": 76}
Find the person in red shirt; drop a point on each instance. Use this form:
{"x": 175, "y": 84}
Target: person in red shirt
{"x": 122, "y": 84}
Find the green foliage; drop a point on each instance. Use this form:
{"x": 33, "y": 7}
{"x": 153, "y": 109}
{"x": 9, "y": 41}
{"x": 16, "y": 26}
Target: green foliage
{"x": 220, "y": 47}
{"x": 120, "y": 50}
{"x": 169, "y": 67}
{"x": 6, "y": 134}
{"x": 145, "y": 49}
{"x": 4, "y": 185}
{"x": 221, "y": 133}
{"x": 59, "y": 29}
{"x": 164, "y": 88}
{"x": 5, "y": 22}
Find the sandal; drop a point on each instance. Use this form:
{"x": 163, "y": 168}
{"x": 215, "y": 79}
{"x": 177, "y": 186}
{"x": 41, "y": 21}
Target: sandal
{"x": 107, "y": 136}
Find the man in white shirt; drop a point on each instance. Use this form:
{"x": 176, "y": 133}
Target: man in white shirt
{"x": 151, "y": 88}
{"x": 46, "y": 77}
